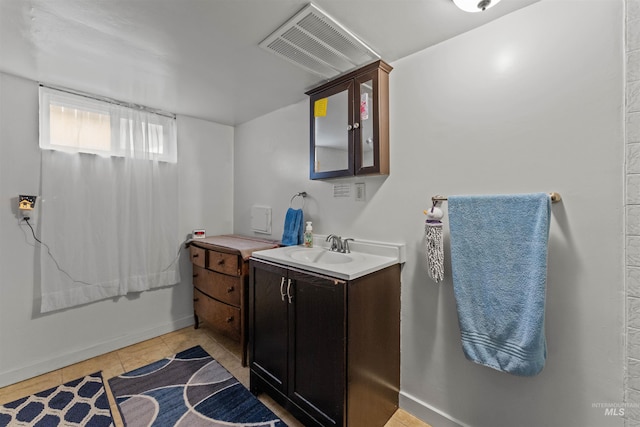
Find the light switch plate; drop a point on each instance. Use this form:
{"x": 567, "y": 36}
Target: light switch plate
{"x": 360, "y": 192}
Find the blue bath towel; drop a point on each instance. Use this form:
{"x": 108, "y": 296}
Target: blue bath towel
{"x": 499, "y": 265}
{"x": 293, "y": 231}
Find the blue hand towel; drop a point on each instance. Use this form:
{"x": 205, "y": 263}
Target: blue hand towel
{"x": 499, "y": 265}
{"x": 293, "y": 231}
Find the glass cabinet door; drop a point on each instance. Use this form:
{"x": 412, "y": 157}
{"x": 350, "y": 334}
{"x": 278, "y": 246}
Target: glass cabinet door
{"x": 367, "y": 118}
{"x": 366, "y": 138}
{"x": 331, "y": 132}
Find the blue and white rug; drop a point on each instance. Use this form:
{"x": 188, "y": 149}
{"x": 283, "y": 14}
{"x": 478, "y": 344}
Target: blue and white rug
{"x": 189, "y": 389}
{"x": 82, "y": 402}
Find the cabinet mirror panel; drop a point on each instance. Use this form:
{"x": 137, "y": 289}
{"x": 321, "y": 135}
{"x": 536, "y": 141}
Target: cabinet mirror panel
{"x": 366, "y": 123}
{"x": 331, "y": 133}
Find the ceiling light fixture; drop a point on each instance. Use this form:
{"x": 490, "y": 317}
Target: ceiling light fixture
{"x": 475, "y": 5}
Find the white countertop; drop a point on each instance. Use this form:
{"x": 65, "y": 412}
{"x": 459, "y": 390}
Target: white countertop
{"x": 366, "y": 257}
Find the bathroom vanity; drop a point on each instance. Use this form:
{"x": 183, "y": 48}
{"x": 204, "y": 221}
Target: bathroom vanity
{"x": 326, "y": 345}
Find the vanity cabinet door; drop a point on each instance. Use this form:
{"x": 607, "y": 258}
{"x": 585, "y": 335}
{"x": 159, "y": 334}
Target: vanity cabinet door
{"x": 327, "y": 350}
{"x": 268, "y": 320}
{"x": 298, "y": 341}
{"x": 317, "y": 356}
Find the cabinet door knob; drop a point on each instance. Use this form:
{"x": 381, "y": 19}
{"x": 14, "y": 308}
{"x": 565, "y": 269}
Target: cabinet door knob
{"x": 229, "y": 319}
{"x": 220, "y": 261}
{"x": 196, "y": 299}
{"x": 349, "y": 127}
{"x": 356, "y": 125}
{"x": 195, "y": 275}
{"x": 230, "y": 289}
{"x": 195, "y": 255}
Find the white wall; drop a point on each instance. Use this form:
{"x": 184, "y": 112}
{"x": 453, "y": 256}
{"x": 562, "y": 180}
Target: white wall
{"x": 31, "y": 343}
{"x": 633, "y": 208}
{"x": 530, "y": 102}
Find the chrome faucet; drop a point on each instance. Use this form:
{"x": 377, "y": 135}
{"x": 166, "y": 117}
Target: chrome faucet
{"x": 336, "y": 242}
{"x": 339, "y": 245}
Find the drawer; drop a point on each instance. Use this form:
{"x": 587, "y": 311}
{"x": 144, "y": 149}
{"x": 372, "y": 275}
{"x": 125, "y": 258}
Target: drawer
{"x": 218, "y": 315}
{"x": 197, "y": 255}
{"x": 219, "y": 286}
{"x": 223, "y": 263}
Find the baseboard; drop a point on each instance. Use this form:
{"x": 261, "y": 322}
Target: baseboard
{"x": 48, "y": 365}
{"x": 427, "y": 413}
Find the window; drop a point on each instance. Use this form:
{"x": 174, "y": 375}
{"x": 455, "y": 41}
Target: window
{"x": 76, "y": 123}
{"x": 126, "y": 236}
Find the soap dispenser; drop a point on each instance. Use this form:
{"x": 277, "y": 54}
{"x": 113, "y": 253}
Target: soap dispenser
{"x": 308, "y": 236}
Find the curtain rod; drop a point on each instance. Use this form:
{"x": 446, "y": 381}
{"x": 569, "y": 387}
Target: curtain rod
{"x": 110, "y": 100}
{"x": 555, "y": 197}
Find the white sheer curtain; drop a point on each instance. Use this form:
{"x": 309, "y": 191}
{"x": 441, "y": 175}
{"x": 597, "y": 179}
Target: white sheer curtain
{"x": 110, "y": 224}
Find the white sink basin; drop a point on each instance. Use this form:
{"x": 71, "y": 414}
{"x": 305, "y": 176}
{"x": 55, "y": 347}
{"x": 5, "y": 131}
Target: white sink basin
{"x": 365, "y": 257}
{"x": 323, "y": 256}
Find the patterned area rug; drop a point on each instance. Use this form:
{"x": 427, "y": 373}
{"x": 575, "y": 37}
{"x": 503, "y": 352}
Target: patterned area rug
{"x": 82, "y": 402}
{"x": 189, "y": 389}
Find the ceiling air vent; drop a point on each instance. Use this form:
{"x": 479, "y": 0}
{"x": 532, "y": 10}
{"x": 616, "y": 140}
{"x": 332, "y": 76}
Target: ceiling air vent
{"x": 317, "y": 43}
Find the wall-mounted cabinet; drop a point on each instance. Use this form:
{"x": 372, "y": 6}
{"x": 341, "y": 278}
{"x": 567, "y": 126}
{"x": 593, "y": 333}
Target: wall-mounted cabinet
{"x": 350, "y": 124}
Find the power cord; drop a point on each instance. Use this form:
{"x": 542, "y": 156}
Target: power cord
{"x": 26, "y": 219}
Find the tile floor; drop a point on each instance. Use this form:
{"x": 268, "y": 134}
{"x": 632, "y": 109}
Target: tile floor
{"x": 117, "y": 362}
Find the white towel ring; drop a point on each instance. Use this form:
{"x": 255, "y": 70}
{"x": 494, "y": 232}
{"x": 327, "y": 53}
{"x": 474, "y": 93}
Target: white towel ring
{"x": 302, "y": 194}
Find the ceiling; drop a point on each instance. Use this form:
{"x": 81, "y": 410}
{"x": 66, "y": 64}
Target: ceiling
{"x": 201, "y": 57}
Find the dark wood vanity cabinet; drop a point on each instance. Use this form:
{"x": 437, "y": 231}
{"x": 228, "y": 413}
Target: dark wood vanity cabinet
{"x": 349, "y": 124}
{"x": 326, "y": 349}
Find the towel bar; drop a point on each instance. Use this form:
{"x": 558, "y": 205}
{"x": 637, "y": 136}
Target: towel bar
{"x": 555, "y": 197}
{"x": 302, "y": 194}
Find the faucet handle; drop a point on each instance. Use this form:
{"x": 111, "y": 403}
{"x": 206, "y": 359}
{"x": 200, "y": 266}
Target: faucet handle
{"x": 345, "y": 244}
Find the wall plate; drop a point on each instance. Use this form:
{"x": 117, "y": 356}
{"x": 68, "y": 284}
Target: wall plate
{"x": 261, "y": 219}
{"x": 341, "y": 190}
{"x": 360, "y": 196}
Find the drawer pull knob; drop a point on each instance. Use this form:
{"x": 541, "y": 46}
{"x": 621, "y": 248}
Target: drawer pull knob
{"x": 220, "y": 262}
{"x": 229, "y": 319}
{"x": 196, "y": 299}
{"x": 230, "y": 289}
{"x": 195, "y": 275}
{"x": 196, "y": 255}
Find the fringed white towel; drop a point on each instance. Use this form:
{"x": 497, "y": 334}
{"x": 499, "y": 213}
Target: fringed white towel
{"x": 434, "y": 244}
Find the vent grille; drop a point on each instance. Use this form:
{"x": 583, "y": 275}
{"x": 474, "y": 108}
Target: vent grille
{"x": 317, "y": 43}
